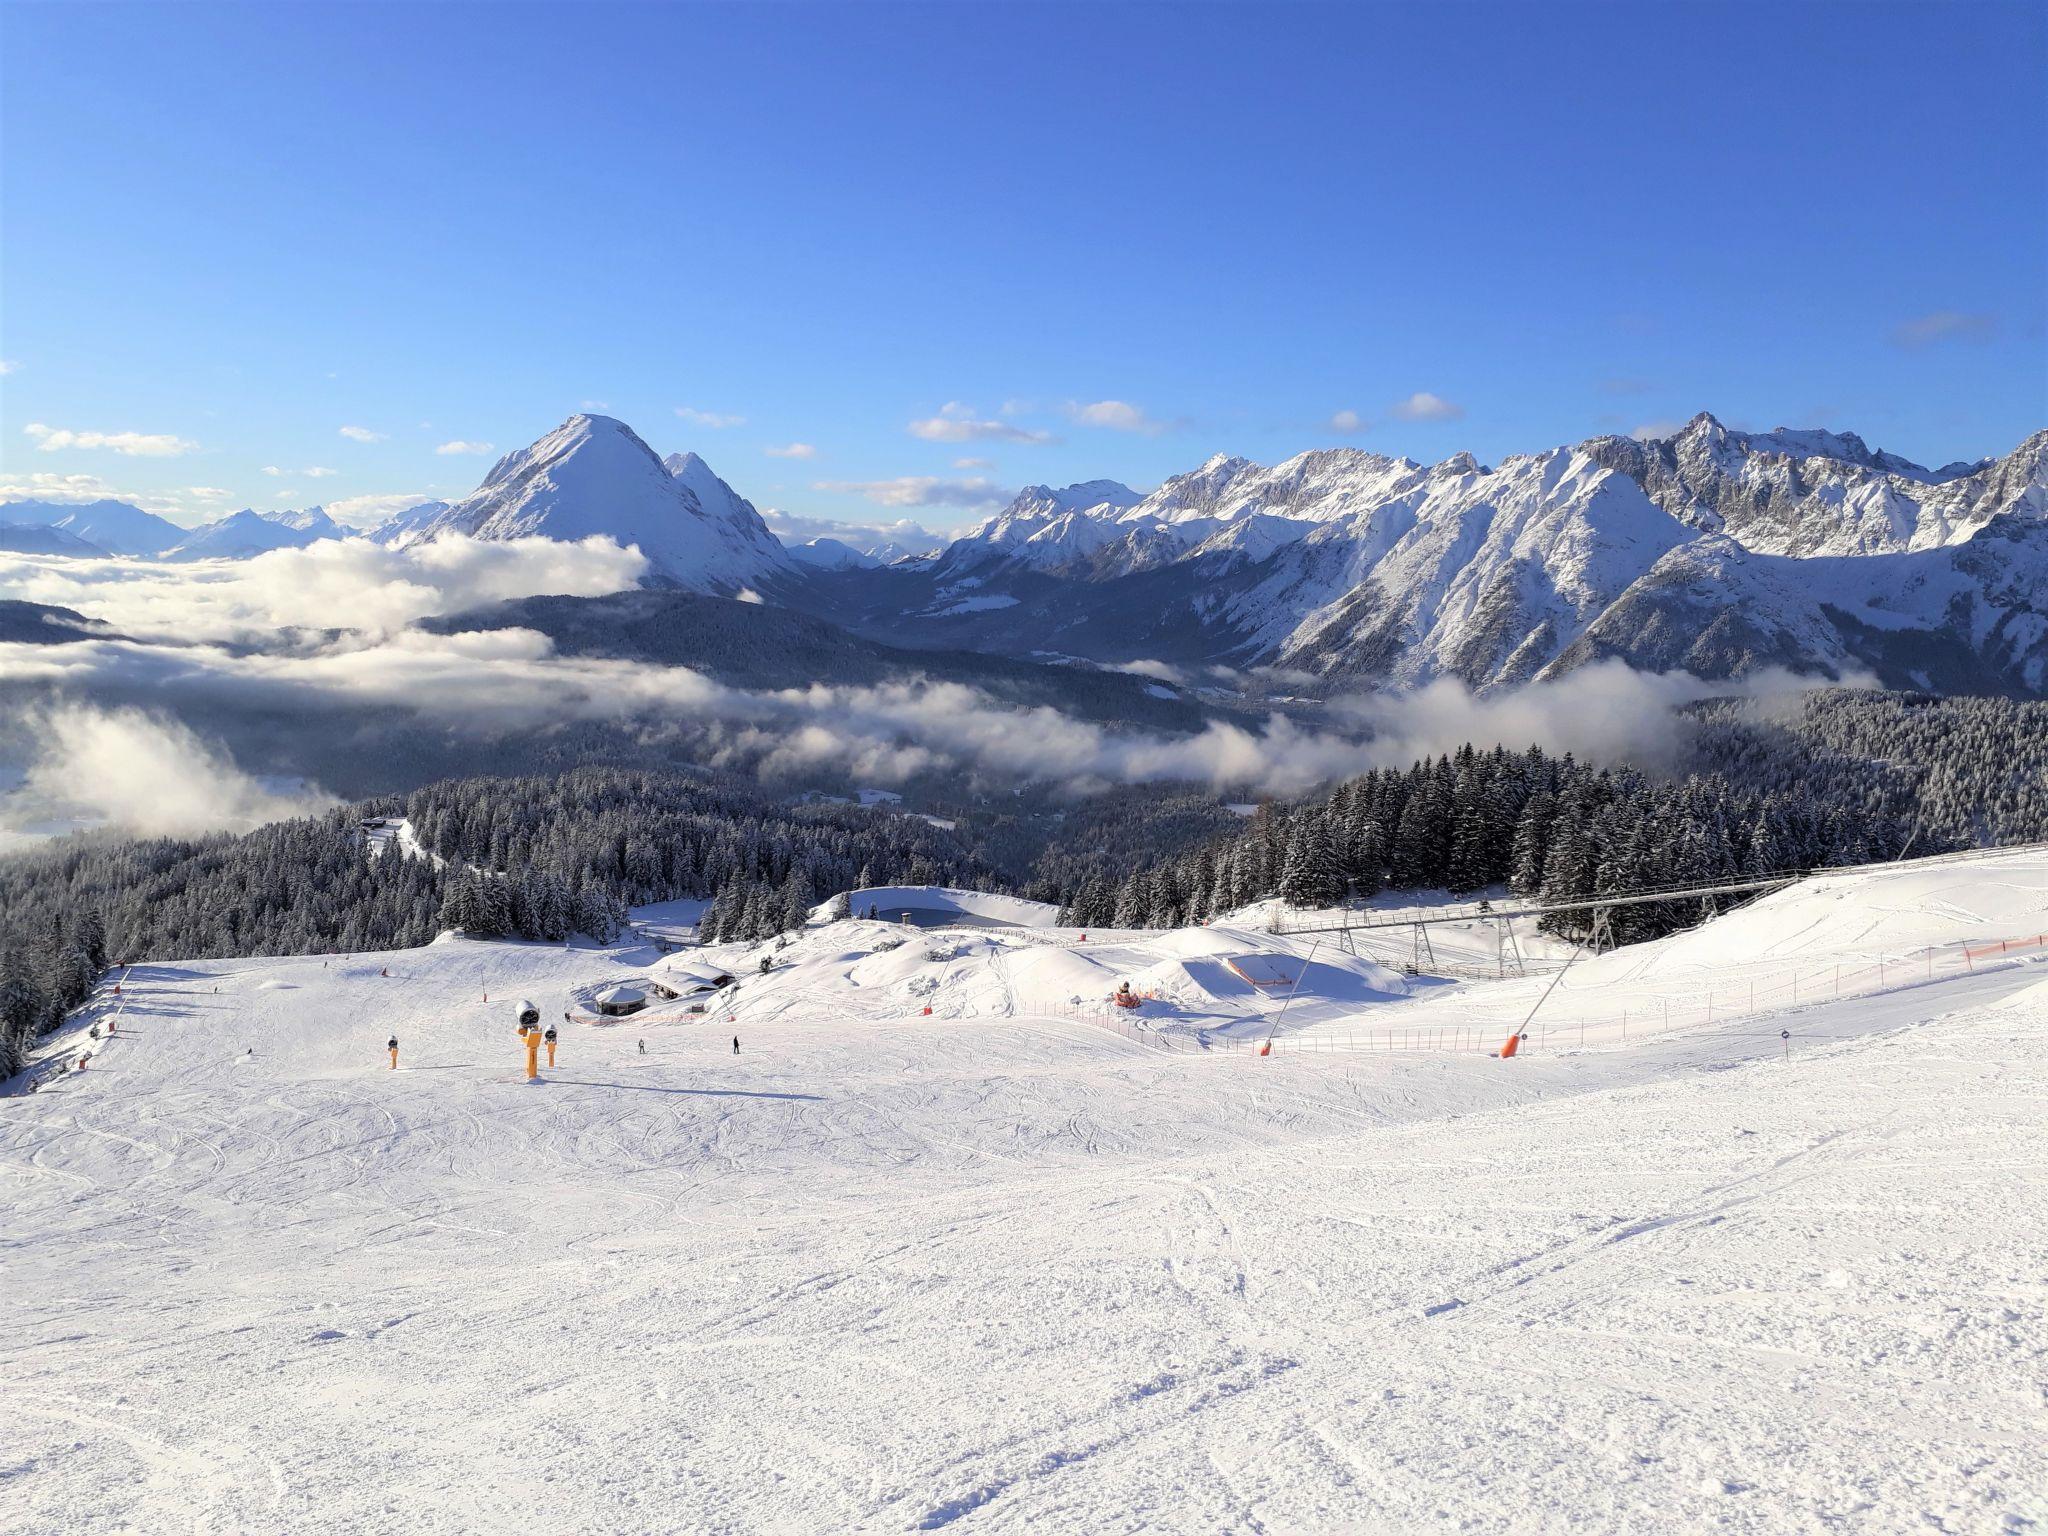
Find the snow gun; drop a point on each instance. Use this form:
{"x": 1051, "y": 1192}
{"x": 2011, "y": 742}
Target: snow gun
{"x": 529, "y": 1015}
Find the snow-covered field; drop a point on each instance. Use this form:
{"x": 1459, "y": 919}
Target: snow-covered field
{"x": 997, "y": 1268}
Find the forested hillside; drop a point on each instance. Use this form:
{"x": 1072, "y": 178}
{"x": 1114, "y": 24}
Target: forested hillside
{"x": 1837, "y": 778}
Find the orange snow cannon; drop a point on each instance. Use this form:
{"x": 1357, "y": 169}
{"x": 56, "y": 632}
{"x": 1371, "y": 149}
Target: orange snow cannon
{"x": 1514, "y": 1044}
{"x": 532, "y": 1055}
{"x": 1266, "y": 1048}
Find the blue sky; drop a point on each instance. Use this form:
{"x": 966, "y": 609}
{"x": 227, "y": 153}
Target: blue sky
{"x": 943, "y": 251}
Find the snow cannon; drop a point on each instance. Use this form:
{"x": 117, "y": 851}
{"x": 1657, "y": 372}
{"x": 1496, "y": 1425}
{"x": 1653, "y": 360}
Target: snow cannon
{"x": 529, "y": 1015}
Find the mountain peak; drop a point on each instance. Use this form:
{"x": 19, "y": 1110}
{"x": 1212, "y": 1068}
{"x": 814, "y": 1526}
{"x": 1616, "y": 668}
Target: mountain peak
{"x": 595, "y": 477}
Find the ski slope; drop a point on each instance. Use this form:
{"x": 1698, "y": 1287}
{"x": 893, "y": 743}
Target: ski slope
{"x": 1006, "y": 1270}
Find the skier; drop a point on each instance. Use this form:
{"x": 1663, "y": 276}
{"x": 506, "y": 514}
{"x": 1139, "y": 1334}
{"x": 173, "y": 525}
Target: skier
{"x": 551, "y": 1045}
{"x": 735, "y": 1045}
{"x": 391, "y": 1045}
{"x": 643, "y": 1047}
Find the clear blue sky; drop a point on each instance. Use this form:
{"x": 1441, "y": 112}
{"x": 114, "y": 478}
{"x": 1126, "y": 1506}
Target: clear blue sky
{"x": 244, "y": 228}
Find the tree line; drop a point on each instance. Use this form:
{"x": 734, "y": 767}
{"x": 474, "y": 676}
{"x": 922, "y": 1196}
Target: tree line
{"x": 1472, "y": 820}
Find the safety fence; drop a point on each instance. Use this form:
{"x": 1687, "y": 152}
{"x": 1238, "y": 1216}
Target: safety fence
{"x": 2006, "y": 947}
{"x": 1567, "y": 1020}
{"x": 56, "y": 1065}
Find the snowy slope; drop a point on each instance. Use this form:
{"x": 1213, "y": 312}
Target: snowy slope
{"x": 113, "y": 526}
{"x": 1963, "y": 618}
{"x": 1822, "y": 493}
{"x": 986, "y": 906}
{"x": 883, "y": 1272}
{"x": 1034, "y": 507}
{"x": 45, "y": 539}
{"x": 592, "y": 477}
{"x": 402, "y": 526}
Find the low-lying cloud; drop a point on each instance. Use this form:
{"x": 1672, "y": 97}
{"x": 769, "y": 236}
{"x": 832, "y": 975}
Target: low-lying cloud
{"x": 332, "y": 584}
{"x": 232, "y": 643}
{"x": 1607, "y": 712}
{"x": 142, "y": 773}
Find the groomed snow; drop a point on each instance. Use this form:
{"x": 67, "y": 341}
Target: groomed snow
{"x": 884, "y": 1272}
{"x": 893, "y": 900}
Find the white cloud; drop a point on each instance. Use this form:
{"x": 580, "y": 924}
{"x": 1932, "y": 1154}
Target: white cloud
{"x": 1116, "y": 415}
{"x": 957, "y": 423}
{"x": 362, "y": 435}
{"x": 1424, "y": 406}
{"x": 1944, "y": 325}
{"x": 792, "y": 451}
{"x": 921, "y": 491}
{"x": 1164, "y": 671}
{"x": 8, "y": 365}
{"x": 143, "y": 445}
{"x": 350, "y": 583}
{"x": 716, "y": 420}
{"x": 974, "y": 463}
{"x": 311, "y": 472}
{"x": 462, "y": 446}
{"x": 1651, "y": 430}
{"x": 1349, "y": 423}
{"x": 144, "y": 773}
{"x": 49, "y": 487}
{"x": 1607, "y": 711}
{"x": 594, "y": 405}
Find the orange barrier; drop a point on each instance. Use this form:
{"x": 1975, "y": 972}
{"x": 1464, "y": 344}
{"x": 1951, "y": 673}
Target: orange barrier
{"x": 2004, "y": 947}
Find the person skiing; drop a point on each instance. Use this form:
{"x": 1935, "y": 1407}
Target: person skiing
{"x": 550, "y": 1037}
{"x": 391, "y": 1045}
{"x": 735, "y": 1045}
{"x": 643, "y": 1047}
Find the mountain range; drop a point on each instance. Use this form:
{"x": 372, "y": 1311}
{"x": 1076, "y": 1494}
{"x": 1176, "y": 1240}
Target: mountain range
{"x": 1712, "y": 550}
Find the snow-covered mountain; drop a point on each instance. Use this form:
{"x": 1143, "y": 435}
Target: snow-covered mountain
{"x": 828, "y": 554}
{"x": 401, "y": 525}
{"x": 246, "y": 533}
{"x": 1822, "y": 493}
{"x": 115, "y": 527}
{"x": 592, "y": 476}
{"x": 45, "y": 539}
{"x": 1714, "y": 549}
{"x": 1038, "y": 506}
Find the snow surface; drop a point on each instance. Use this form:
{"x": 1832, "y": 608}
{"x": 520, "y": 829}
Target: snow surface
{"x": 887, "y": 1272}
{"x": 985, "y": 905}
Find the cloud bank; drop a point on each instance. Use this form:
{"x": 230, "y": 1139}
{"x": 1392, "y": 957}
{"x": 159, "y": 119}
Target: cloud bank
{"x": 335, "y": 583}
{"x": 141, "y": 773}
